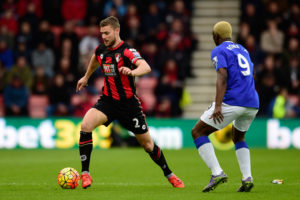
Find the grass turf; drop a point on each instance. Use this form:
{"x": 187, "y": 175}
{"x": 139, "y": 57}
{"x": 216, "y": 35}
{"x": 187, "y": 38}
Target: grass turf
{"x": 131, "y": 174}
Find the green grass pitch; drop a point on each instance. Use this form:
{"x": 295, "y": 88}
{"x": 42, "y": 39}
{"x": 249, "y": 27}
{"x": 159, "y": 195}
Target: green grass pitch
{"x": 131, "y": 174}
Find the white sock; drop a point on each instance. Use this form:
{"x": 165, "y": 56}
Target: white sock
{"x": 208, "y": 155}
{"x": 243, "y": 157}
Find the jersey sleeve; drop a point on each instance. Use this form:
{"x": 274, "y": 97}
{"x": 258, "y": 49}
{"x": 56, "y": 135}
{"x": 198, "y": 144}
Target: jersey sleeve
{"x": 132, "y": 54}
{"x": 97, "y": 54}
{"x": 218, "y": 59}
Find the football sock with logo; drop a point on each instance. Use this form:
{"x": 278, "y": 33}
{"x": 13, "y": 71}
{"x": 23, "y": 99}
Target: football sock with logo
{"x": 85, "y": 149}
{"x": 159, "y": 158}
{"x": 243, "y": 157}
{"x": 207, "y": 153}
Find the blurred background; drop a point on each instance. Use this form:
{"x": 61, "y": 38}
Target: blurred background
{"x": 45, "y": 47}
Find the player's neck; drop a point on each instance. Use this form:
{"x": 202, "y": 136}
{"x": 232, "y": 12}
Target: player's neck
{"x": 225, "y": 40}
{"x": 117, "y": 43}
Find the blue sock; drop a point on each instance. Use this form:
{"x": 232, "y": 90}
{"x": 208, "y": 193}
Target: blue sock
{"x": 207, "y": 153}
{"x": 199, "y": 141}
{"x": 240, "y": 145}
{"x": 243, "y": 157}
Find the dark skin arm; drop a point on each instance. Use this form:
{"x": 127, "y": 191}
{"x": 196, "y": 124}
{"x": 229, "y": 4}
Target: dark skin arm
{"x": 221, "y": 86}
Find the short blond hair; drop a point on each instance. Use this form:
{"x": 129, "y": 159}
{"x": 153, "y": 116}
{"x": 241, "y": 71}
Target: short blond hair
{"x": 112, "y": 21}
{"x": 223, "y": 29}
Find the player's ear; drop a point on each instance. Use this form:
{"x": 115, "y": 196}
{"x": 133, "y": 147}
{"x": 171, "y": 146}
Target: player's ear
{"x": 117, "y": 30}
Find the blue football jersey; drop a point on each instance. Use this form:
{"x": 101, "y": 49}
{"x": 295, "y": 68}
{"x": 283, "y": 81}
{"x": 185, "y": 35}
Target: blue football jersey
{"x": 240, "y": 89}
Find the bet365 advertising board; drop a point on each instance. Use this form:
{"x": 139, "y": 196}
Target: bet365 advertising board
{"x": 63, "y": 133}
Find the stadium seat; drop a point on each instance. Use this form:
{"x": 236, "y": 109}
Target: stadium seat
{"x": 37, "y": 106}
{"x": 1, "y": 106}
{"x": 145, "y": 90}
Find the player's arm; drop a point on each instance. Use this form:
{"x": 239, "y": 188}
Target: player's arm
{"x": 142, "y": 68}
{"x": 91, "y": 68}
{"x": 221, "y": 89}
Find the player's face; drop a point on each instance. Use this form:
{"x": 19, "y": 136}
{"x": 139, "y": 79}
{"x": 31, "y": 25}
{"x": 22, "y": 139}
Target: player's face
{"x": 109, "y": 35}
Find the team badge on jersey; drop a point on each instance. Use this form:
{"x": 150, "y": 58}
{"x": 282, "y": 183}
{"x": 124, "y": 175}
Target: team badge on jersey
{"x": 215, "y": 61}
{"x": 101, "y": 56}
{"x": 118, "y": 57}
{"x": 109, "y": 69}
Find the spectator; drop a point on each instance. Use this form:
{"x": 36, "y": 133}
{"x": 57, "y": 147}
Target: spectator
{"x": 6, "y": 55}
{"x": 87, "y": 46}
{"x": 267, "y": 84}
{"x": 94, "y": 11}
{"x": 45, "y": 34}
{"x": 43, "y": 57}
{"x": 66, "y": 71}
{"x": 90, "y": 41}
{"x": 283, "y": 107}
{"x": 256, "y": 54}
{"x": 272, "y": 39}
{"x": 50, "y": 7}
{"x": 119, "y": 5}
{"x": 9, "y": 21}
{"x": 291, "y": 51}
{"x": 178, "y": 11}
{"x": 40, "y": 82}
{"x": 251, "y": 17}
{"x": 26, "y": 35}
{"x": 171, "y": 52}
{"x": 22, "y": 50}
{"x": 74, "y": 10}
{"x": 290, "y": 76}
{"x": 151, "y": 20}
{"x": 59, "y": 97}
{"x": 244, "y": 33}
{"x": 21, "y": 70}
{"x": 30, "y": 16}
{"x": 170, "y": 86}
{"x": 273, "y": 12}
{"x": 150, "y": 54}
{"x": 15, "y": 98}
{"x": 35, "y": 7}
{"x": 69, "y": 44}
{"x": 6, "y": 36}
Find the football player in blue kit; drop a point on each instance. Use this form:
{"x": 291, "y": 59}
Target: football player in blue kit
{"x": 236, "y": 101}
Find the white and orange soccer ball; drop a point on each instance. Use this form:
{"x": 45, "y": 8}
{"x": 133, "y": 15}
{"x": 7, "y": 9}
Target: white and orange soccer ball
{"x": 68, "y": 178}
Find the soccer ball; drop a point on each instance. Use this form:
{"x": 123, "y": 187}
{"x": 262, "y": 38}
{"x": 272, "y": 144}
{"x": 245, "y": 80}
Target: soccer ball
{"x": 68, "y": 178}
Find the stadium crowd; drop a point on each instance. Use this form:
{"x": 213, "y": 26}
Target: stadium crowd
{"x": 270, "y": 30}
{"x": 45, "y": 47}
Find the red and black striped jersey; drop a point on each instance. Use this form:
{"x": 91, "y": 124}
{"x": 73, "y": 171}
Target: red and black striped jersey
{"x": 116, "y": 85}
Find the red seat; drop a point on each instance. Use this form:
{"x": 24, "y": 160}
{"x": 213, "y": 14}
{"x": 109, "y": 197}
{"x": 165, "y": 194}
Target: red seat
{"x": 145, "y": 90}
{"x": 37, "y": 106}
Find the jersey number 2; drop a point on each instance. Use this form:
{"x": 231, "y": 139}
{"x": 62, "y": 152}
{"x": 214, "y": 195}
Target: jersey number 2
{"x": 244, "y": 64}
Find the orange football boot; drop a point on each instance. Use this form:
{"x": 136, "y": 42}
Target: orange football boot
{"x": 175, "y": 181}
{"x": 86, "y": 180}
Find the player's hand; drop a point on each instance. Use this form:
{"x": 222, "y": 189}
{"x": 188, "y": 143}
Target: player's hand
{"x": 81, "y": 83}
{"x": 126, "y": 71}
{"x": 217, "y": 115}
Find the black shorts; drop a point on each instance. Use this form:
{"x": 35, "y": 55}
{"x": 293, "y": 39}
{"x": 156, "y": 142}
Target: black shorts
{"x": 128, "y": 112}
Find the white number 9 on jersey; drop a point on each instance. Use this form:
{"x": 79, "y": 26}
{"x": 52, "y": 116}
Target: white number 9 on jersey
{"x": 244, "y": 64}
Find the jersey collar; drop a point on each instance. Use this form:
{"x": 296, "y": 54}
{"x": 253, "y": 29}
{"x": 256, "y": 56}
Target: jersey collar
{"x": 116, "y": 46}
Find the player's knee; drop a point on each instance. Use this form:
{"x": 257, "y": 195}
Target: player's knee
{"x": 238, "y": 138}
{"x": 196, "y": 133}
{"x": 148, "y": 146}
{"x": 86, "y": 127}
